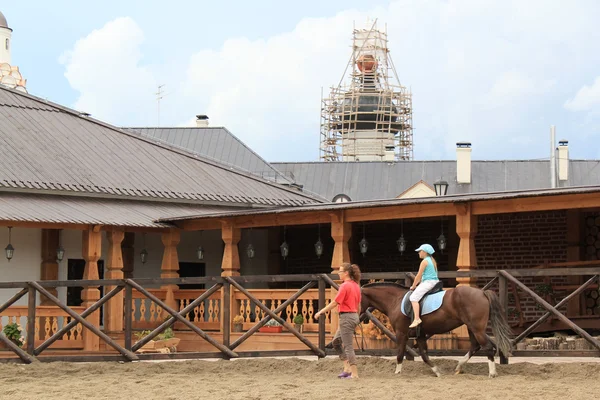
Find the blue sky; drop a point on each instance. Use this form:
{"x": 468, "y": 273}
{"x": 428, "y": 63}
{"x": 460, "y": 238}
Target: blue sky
{"x": 496, "y": 73}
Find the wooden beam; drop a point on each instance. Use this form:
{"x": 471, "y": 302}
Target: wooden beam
{"x": 43, "y": 225}
{"x": 466, "y": 228}
{"x": 574, "y": 250}
{"x": 400, "y": 212}
{"x": 91, "y": 252}
{"x": 537, "y": 203}
{"x": 113, "y": 318}
{"x": 341, "y": 232}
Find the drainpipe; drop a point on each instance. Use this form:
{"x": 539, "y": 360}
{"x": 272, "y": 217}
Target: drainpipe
{"x": 552, "y": 156}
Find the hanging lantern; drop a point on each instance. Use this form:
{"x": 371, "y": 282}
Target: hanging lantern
{"x": 442, "y": 242}
{"x": 10, "y": 250}
{"x": 401, "y": 244}
{"x": 319, "y": 245}
{"x": 200, "y": 253}
{"x": 250, "y": 251}
{"x": 441, "y": 187}
{"x": 285, "y": 248}
{"x": 363, "y": 244}
{"x": 60, "y": 253}
{"x": 144, "y": 252}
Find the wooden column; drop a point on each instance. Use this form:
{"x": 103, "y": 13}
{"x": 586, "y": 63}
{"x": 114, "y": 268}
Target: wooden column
{"x": 230, "y": 266}
{"x": 341, "y": 231}
{"x": 91, "y": 251}
{"x": 113, "y": 311}
{"x": 170, "y": 264}
{"x": 574, "y": 250}
{"x": 466, "y": 228}
{"x": 49, "y": 267}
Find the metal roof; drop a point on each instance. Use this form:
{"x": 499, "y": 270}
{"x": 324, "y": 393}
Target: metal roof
{"x": 216, "y": 143}
{"x": 3, "y": 23}
{"x": 78, "y": 210}
{"x": 456, "y": 198}
{"x": 49, "y": 148}
{"x": 381, "y": 180}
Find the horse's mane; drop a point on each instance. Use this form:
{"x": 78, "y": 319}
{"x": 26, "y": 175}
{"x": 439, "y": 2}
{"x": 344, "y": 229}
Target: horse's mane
{"x": 393, "y": 284}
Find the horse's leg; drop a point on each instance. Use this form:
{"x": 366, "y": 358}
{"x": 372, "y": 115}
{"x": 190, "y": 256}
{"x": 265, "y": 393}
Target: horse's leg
{"x": 422, "y": 343}
{"x": 401, "y": 340}
{"x": 475, "y": 346}
{"x": 488, "y": 348}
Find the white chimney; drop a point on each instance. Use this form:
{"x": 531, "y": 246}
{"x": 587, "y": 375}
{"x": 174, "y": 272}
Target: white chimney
{"x": 201, "y": 121}
{"x": 463, "y": 162}
{"x": 563, "y": 160}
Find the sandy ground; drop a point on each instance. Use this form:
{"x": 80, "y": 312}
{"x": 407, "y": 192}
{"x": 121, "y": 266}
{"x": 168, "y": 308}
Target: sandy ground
{"x": 291, "y": 378}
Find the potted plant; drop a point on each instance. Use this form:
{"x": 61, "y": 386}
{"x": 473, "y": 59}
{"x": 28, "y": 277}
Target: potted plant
{"x": 165, "y": 342}
{"x": 13, "y": 332}
{"x": 271, "y": 327}
{"x": 298, "y": 322}
{"x": 238, "y": 322}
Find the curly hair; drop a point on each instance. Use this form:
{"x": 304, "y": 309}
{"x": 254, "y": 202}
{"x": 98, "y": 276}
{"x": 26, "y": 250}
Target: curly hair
{"x": 353, "y": 271}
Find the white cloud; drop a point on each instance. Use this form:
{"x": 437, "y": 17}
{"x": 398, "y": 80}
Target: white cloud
{"x": 105, "y": 68}
{"x": 586, "y": 98}
{"x": 478, "y": 72}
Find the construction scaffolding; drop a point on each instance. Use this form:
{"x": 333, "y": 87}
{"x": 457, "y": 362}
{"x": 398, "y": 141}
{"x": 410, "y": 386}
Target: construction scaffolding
{"x": 368, "y": 116}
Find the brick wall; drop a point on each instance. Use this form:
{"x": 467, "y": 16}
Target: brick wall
{"x": 523, "y": 240}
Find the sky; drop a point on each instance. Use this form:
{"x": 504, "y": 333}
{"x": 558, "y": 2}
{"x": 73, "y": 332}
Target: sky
{"x": 495, "y": 73}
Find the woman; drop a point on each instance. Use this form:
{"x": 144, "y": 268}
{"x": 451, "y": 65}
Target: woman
{"x": 348, "y": 303}
{"x": 426, "y": 279}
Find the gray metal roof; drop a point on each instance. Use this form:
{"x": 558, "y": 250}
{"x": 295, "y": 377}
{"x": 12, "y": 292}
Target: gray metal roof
{"x": 381, "y": 180}
{"x": 216, "y": 143}
{"x": 404, "y": 201}
{"x": 17, "y": 207}
{"x": 49, "y": 148}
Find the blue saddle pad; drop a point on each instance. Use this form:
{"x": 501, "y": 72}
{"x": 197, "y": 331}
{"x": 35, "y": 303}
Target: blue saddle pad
{"x": 431, "y": 302}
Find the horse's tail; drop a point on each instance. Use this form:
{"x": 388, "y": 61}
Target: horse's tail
{"x": 500, "y": 326}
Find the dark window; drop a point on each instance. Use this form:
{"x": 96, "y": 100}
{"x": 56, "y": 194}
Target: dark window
{"x": 75, "y": 270}
{"x": 192, "y": 270}
{"x": 6, "y": 44}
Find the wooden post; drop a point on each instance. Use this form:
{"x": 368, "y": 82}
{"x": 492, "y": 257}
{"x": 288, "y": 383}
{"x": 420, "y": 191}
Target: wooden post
{"x": 170, "y": 264}
{"x": 91, "y": 251}
{"x": 341, "y": 232}
{"x": 466, "y": 228}
{"x": 49, "y": 267}
{"x": 230, "y": 265}
{"x": 503, "y": 296}
{"x": 113, "y": 315}
{"x": 574, "y": 240}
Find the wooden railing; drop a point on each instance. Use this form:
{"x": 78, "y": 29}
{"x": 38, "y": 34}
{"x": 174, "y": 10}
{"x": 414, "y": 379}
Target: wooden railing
{"x": 147, "y": 315}
{"x": 48, "y": 320}
{"x": 306, "y": 305}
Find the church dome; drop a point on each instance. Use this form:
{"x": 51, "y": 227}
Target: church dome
{"x": 3, "y": 23}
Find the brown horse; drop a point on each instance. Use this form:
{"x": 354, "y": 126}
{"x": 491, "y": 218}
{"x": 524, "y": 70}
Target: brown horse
{"x": 462, "y": 305}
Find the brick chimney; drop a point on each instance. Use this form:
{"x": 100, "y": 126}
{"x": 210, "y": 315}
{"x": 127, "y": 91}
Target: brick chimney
{"x": 463, "y": 162}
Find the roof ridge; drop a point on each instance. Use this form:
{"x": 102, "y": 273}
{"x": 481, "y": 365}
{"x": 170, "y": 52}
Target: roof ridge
{"x": 138, "y": 136}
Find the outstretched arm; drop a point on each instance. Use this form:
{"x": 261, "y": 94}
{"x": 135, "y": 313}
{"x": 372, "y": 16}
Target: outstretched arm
{"x": 329, "y": 306}
{"x": 419, "y": 275}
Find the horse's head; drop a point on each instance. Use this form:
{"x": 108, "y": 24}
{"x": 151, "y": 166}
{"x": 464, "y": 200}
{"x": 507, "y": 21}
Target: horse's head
{"x": 381, "y": 296}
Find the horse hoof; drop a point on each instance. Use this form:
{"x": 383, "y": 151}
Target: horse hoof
{"x": 398, "y": 369}
{"x": 457, "y": 372}
{"x": 436, "y": 371}
{"x": 493, "y": 375}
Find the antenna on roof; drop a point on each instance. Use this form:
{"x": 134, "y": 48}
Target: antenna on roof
{"x": 159, "y": 96}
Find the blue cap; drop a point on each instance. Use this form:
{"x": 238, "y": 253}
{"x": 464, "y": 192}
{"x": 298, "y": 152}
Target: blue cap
{"x": 427, "y": 248}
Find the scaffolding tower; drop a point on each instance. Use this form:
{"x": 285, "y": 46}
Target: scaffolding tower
{"x": 368, "y": 116}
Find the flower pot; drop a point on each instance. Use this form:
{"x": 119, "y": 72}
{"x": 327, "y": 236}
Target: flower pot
{"x": 298, "y": 327}
{"x": 237, "y": 327}
{"x": 271, "y": 329}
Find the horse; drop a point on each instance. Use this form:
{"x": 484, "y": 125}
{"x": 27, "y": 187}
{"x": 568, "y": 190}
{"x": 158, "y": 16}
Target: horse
{"x": 461, "y": 305}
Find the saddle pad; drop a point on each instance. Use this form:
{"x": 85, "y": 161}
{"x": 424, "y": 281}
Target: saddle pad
{"x": 430, "y": 304}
